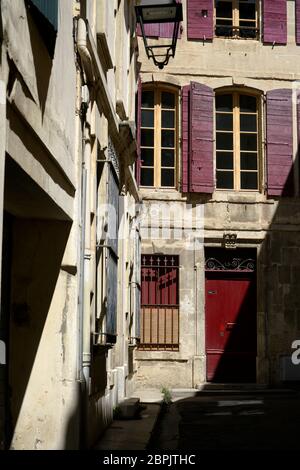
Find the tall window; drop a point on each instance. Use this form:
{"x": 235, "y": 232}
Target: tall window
{"x": 237, "y": 141}
{"x": 160, "y": 302}
{"x": 158, "y": 137}
{"x": 236, "y": 18}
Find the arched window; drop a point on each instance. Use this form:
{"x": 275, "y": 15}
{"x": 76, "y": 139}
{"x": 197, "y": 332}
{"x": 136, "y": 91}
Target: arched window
{"x": 237, "y": 141}
{"x": 236, "y": 18}
{"x": 158, "y": 136}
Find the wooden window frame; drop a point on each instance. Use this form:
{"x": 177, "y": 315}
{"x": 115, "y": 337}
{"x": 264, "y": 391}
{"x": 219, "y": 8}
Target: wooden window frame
{"x": 236, "y": 140}
{"x": 236, "y": 19}
{"x": 158, "y": 89}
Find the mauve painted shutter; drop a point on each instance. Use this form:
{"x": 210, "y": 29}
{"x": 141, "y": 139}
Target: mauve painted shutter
{"x": 275, "y": 21}
{"x": 166, "y": 29}
{"x": 199, "y": 27}
{"x": 185, "y": 96}
{"x": 151, "y": 30}
{"x": 138, "y": 130}
{"x": 298, "y": 122}
{"x": 279, "y": 143}
{"x": 297, "y": 12}
{"x": 201, "y": 139}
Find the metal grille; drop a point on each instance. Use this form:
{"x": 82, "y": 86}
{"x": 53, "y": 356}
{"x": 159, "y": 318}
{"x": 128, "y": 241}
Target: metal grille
{"x": 238, "y": 32}
{"x": 160, "y": 303}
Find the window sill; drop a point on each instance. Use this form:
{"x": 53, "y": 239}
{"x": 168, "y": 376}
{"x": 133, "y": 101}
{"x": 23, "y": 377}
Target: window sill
{"x": 220, "y": 195}
{"x": 161, "y": 194}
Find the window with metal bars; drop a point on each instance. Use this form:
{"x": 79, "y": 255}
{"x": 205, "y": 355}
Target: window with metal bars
{"x": 160, "y": 302}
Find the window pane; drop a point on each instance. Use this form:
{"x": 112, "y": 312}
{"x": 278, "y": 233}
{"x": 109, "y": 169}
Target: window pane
{"x": 224, "y": 122}
{"x": 167, "y": 158}
{"x": 225, "y": 141}
{"x": 147, "y": 138}
{"x": 225, "y": 179}
{"x": 248, "y": 180}
{"x": 247, "y": 104}
{"x": 167, "y": 138}
{"x": 147, "y": 177}
{"x": 248, "y": 161}
{"x": 249, "y": 142}
{"x": 224, "y": 103}
{"x": 147, "y": 157}
{"x": 247, "y": 11}
{"x": 225, "y": 160}
{"x": 147, "y": 99}
{"x": 248, "y": 122}
{"x": 167, "y": 100}
{"x": 223, "y": 9}
{"x": 147, "y": 118}
{"x": 167, "y": 177}
{"x": 168, "y": 119}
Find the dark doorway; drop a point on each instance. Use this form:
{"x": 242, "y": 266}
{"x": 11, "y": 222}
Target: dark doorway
{"x": 230, "y": 287}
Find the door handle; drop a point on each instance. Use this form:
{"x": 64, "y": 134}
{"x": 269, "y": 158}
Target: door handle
{"x": 230, "y": 325}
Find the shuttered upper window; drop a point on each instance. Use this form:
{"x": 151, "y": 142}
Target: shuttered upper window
{"x": 236, "y": 19}
{"x": 158, "y": 145}
{"x": 237, "y": 141}
{"x": 240, "y": 19}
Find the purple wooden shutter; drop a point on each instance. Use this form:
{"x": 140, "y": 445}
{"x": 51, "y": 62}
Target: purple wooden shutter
{"x": 201, "y": 139}
{"x": 185, "y": 94}
{"x": 298, "y": 122}
{"x": 199, "y": 27}
{"x": 275, "y": 21}
{"x": 279, "y": 143}
{"x": 166, "y": 29}
{"x": 151, "y": 30}
{"x": 297, "y": 11}
{"x": 138, "y": 130}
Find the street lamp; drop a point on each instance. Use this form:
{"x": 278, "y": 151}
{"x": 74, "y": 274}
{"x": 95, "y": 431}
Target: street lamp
{"x": 159, "y": 11}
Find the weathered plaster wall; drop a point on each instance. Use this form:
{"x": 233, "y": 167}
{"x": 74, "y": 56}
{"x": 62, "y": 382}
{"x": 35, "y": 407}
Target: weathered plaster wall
{"x": 40, "y": 180}
{"x": 45, "y": 97}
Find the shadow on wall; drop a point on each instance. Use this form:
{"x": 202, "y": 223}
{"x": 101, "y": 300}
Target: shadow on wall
{"x": 37, "y": 244}
{"x": 37, "y": 250}
{"x": 278, "y": 286}
{"x": 42, "y": 56}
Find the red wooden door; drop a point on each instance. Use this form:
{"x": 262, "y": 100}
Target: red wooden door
{"x": 230, "y": 327}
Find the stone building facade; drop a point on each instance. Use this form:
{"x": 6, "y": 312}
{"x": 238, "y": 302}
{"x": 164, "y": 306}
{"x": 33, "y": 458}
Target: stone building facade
{"x": 219, "y": 181}
{"x": 69, "y": 287}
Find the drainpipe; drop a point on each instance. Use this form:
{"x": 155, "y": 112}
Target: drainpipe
{"x": 84, "y": 350}
{"x": 83, "y": 49}
{"x": 86, "y": 353}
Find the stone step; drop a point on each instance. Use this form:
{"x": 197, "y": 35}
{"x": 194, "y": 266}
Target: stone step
{"x": 229, "y": 390}
{"x": 129, "y": 408}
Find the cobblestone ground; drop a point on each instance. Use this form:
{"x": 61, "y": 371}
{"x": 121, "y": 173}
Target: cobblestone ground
{"x": 269, "y": 421}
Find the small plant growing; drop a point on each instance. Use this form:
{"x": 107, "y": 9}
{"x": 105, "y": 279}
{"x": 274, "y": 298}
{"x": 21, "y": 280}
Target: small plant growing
{"x": 117, "y": 412}
{"x": 167, "y": 397}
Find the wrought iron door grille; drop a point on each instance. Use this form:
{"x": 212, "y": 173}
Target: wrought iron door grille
{"x": 160, "y": 303}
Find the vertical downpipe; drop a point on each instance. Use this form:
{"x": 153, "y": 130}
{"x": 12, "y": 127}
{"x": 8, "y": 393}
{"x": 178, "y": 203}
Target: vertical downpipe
{"x": 86, "y": 354}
